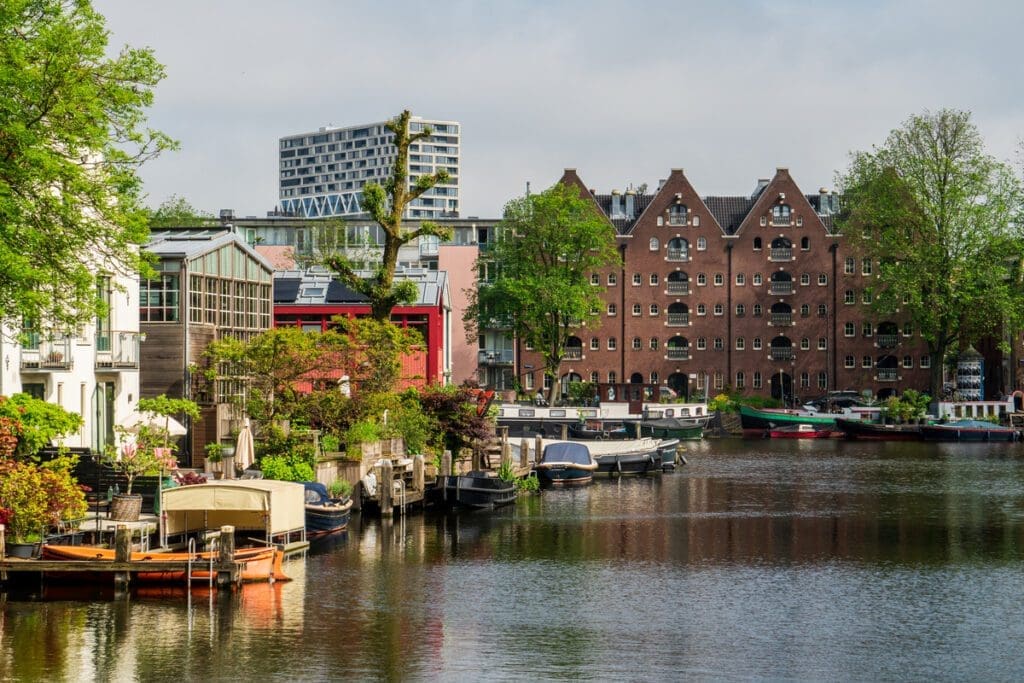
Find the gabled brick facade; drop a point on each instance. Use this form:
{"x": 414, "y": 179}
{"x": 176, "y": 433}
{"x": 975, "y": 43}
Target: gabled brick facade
{"x": 755, "y": 293}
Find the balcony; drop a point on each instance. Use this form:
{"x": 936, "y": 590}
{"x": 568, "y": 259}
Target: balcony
{"x": 678, "y": 319}
{"x": 781, "y": 221}
{"x": 681, "y": 288}
{"x": 676, "y": 255}
{"x": 781, "y": 254}
{"x": 782, "y": 319}
{"x": 573, "y": 353}
{"x": 887, "y": 374}
{"x": 887, "y": 341}
{"x": 47, "y": 356}
{"x": 494, "y": 357}
{"x": 780, "y": 288}
{"x": 118, "y": 350}
{"x": 781, "y": 353}
{"x": 678, "y": 354}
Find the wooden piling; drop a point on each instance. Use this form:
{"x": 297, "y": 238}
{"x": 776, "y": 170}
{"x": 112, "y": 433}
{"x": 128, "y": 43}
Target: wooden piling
{"x": 524, "y": 453}
{"x": 122, "y": 555}
{"x": 538, "y": 447}
{"x": 565, "y": 432}
{"x": 477, "y": 465}
{"x": 418, "y": 473}
{"x": 446, "y": 463}
{"x": 506, "y": 453}
{"x": 226, "y": 557}
{"x": 387, "y": 488}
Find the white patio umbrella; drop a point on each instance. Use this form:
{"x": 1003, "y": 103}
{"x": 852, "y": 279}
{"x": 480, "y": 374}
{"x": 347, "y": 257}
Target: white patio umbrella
{"x": 244, "y": 448}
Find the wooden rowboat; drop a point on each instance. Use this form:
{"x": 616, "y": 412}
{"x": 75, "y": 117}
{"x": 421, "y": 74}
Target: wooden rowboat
{"x": 260, "y": 564}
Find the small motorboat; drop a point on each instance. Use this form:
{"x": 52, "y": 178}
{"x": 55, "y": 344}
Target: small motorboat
{"x": 967, "y": 430}
{"x": 476, "y": 490}
{"x": 597, "y": 430}
{"x": 632, "y": 456}
{"x": 800, "y": 431}
{"x": 325, "y": 515}
{"x": 566, "y": 463}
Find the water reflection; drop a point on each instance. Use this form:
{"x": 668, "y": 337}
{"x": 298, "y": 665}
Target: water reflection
{"x": 758, "y": 559}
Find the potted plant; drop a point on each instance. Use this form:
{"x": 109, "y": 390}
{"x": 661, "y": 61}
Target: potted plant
{"x": 135, "y": 458}
{"x": 34, "y": 498}
{"x": 214, "y": 457}
{"x": 23, "y": 507}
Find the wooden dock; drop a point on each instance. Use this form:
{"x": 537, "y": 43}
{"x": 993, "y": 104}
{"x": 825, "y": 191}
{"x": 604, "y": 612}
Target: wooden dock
{"x": 122, "y": 569}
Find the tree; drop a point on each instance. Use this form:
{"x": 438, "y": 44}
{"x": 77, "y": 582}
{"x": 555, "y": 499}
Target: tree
{"x": 176, "y": 212}
{"x": 72, "y": 137}
{"x": 386, "y": 205}
{"x": 273, "y": 364}
{"x": 548, "y": 245}
{"x": 940, "y": 217}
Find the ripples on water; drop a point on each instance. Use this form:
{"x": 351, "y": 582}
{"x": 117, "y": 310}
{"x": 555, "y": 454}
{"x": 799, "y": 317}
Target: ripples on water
{"x": 759, "y": 559}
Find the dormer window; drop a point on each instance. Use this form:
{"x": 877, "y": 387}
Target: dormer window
{"x": 677, "y": 214}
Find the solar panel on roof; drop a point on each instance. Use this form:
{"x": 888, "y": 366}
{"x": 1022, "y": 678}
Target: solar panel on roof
{"x": 338, "y": 293}
{"x": 286, "y": 289}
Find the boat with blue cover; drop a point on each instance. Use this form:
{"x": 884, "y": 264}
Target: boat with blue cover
{"x": 324, "y": 514}
{"x": 566, "y": 463}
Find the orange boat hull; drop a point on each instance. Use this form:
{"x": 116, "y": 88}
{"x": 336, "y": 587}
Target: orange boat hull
{"x": 260, "y": 564}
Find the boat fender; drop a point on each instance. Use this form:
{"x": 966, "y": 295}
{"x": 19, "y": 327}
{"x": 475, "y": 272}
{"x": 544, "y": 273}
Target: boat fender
{"x": 682, "y": 459}
{"x": 370, "y": 484}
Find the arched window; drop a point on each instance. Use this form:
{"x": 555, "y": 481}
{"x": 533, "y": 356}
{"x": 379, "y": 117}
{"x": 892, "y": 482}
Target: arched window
{"x": 805, "y": 243}
{"x": 677, "y": 214}
{"x": 740, "y": 380}
{"x": 757, "y": 244}
{"x": 655, "y": 244}
{"x": 637, "y": 309}
{"x": 702, "y": 244}
{"x": 781, "y": 214}
{"x": 654, "y": 309}
{"x": 678, "y": 249}
{"x": 637, "y": 343}
{"x": 850, "y": 266}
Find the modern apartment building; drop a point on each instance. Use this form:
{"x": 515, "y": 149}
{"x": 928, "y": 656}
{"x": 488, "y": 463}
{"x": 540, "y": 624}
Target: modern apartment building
{"x": 322, "y": 173}
{"x": 759, "y": 293}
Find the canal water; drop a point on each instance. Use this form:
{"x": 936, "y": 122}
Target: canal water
{"x": 816, "y": 560}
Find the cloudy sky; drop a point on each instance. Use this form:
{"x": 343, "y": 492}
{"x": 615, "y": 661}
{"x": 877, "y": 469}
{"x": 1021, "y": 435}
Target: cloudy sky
{"x": 623, "y": 92}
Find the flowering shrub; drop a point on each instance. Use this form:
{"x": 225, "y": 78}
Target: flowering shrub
{"x": 138, "y": 457}
{"x": 23, "y": 494}
{"x": 189, "y": 479}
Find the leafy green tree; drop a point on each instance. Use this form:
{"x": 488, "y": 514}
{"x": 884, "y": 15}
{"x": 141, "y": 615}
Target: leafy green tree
{"x": 386, "y": 204}
{"x": 273, "y": 364}
{"x": 72, "y": 137}
{"x": 548, "y": 245}
{"x": 177, "y": 212}
{"x": 941, "y": 219}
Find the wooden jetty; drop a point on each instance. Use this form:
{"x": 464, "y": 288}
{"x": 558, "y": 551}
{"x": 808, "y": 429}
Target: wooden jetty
{"x": 123, "y": 568}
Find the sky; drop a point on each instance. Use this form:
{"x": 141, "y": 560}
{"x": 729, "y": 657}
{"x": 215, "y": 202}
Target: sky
{"x": 622, "y": 92}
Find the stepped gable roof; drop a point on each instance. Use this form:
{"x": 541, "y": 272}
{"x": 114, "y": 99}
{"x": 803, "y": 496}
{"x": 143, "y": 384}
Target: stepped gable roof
{"x": 623, "y": 226}
{"x": 729, "y": 211}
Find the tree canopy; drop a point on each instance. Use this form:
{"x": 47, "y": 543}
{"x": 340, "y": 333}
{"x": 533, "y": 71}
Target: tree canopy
{"x": 176, "y": 211}
{"x": 941, "y": 218}
{"x": 72, "y": 137}
{"x": 538, "y": 271}
{"x": 386, "y": 205}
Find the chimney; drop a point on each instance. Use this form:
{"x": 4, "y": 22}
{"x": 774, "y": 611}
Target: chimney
{"x": 761, "y": 184}
{"x": 824, "y": 207}
{"x": 616, "y": 205}
{"x": 630, "y": 204}
{"x": 227, "y": 215}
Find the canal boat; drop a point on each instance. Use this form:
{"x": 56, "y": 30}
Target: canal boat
{"x": 259, "y": 564}
{"x": 325, "y": 515}
{"x": 566, "y": 463}
{"x": 771, "y": 418}
{"x": 863, "y": 430}
{"x": 597, "y": 430}
{"x": 682, "y": 428}
{"x": 800, "y": 431}
{"x": 633, "y": 456}
{"x": 967, "y": 430}
{"x": 480, "y": 490}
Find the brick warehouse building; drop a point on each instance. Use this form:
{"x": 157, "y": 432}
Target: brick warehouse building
{"x": 757, "y": 293}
